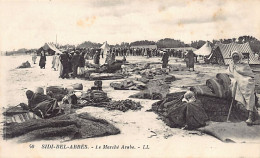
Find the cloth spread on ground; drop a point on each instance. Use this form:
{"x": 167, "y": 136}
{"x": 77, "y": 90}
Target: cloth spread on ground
{"x": 94, "y": 96}
{"x": 71, "y": 126}
{"x": 233, "y": 132}
{"x": 13, "y": 110}
{"x": 18, "y": 114}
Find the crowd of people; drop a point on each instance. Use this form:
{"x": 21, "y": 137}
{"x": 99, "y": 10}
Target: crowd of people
{"x": 74, "y": 60}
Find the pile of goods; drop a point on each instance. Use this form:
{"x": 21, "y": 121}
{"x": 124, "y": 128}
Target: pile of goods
{"x": 95, "y": 96}
{"x": 24, "y": 65}
{"x": 218, "y": 87}
{"x": 112, "y": 68}
{"x": 57, "y": 92}
{"x": 123, "y": 105}
{"x": 100, "y": 99}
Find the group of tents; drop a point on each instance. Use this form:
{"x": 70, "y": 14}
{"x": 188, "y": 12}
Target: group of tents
{"x": 221, "y": 53}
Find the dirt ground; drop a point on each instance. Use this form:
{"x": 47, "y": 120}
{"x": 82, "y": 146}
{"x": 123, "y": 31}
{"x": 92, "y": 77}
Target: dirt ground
{"x": 138, "y": 128}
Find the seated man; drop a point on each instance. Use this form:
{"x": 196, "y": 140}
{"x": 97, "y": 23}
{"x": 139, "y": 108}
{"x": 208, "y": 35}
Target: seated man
{"x": 42, "y": 105}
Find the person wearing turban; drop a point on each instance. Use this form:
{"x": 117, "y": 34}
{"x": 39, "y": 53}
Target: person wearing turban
{"x": 241, "y": 73}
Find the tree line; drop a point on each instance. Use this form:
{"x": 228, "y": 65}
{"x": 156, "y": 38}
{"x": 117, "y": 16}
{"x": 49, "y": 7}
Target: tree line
{"x": 162, "y": 43}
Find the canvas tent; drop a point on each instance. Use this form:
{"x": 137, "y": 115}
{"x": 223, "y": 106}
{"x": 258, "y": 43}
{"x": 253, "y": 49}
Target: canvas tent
{"x": 222, "y": 53}
{"x": 205, "y": 50}
{"x": 104, "y": 49}
{"x": 50, "y": 48}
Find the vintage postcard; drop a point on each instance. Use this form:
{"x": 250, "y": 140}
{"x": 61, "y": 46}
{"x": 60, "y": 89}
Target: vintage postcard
{"x": 130, "y": 78}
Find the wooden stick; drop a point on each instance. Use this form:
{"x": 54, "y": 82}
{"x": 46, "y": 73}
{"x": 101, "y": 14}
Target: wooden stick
{"x": 233, "y": 99}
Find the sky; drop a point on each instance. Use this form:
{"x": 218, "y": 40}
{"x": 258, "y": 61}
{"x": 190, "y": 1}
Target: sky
{"x": 29, "y": 24}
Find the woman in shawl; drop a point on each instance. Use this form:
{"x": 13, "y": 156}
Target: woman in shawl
{"x": 242, "y": 75}
{"x": 42, "y": 60}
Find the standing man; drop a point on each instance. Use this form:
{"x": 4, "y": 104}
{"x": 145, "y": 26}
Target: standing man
{"x": 190, "y": 59}
{"x": 113, "y": 56}
{"x": 81, "y": 67}
{"x": 42, "y": 62}
{"x": 165, "y": 59}
{"x": 64, "y": 59}
{"x": 75, "y": 63}
{"x": 97, "y": 58}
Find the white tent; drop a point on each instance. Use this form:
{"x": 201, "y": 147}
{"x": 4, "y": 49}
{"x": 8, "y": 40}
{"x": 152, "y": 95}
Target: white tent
{"x": 104, "y": 50}
{"x": 205, "y": 50}
{"x": 52, "y": 47}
